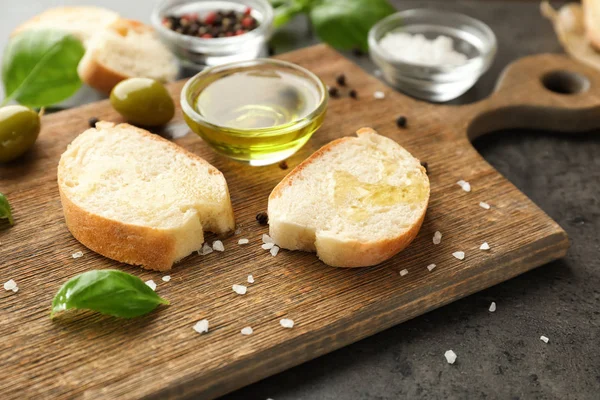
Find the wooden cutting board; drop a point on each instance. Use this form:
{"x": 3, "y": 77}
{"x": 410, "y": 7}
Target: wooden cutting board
{"x": 87, "y": 355}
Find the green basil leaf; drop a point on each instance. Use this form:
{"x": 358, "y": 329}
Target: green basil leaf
{"x": 109, "y": 292}
{"x": 284, "y": 13}
{"x": 345, "y": 24}
{"x": 5, "y": 212}
{"x": 39, "y": 67}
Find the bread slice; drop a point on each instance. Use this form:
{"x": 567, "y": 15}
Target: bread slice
{"x": 591, "y": 10}
{"x": 126, "y": 49}
{"x": 356, "y": 201}
{"x": 83, "y": 21}
{"x": 137, "y": 198}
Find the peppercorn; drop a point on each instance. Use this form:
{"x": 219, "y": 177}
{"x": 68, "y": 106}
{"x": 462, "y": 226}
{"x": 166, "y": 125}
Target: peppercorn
{"x": 426, "y": 166}
{"x": 401, "y": 122}
{"x": 262, "y": 218}
{"x": 283, "y": 165}
{"x": 353, "y": 94}
{"x": 224, "y": 23}
{"x": 341, "y": 80}
{"x": 357, "y": 52}
{"x": 92, "y": 122}
{"x": 334, "y": 92}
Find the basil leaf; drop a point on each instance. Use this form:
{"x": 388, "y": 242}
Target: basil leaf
{"x": 345, "y": 24}
{"x": 5, "y": 212}
{"x": 40, "y": 67}
{"x": 285, "y": 10}
{"x": 109, "y": 292}
{"x": 284, "y": 13}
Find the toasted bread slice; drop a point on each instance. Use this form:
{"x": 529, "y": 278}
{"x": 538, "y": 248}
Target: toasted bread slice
{"x": 81, "y": 21}
{"x": 591, "y": 11}
{"x": 356, "y": 201}
{"x": 137, "y": 198}
{"x": 127, "y": 49}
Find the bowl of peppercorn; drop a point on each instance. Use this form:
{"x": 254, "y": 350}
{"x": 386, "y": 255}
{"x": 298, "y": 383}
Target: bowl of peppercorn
{"x": 203, "y": 33}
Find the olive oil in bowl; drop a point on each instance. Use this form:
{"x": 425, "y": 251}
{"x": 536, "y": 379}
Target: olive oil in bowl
{"x": 259, "y": 111}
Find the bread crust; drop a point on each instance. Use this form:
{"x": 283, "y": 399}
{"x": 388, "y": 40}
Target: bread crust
{"x": 137, "y": 245}
{"x": 147, "y": 247}
{"x": 591, "y": 11}
{"x": 349, "y": 254}
{"x": 97, "y": 75}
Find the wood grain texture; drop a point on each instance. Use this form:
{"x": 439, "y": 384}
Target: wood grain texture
{"x": 86, "y": 355}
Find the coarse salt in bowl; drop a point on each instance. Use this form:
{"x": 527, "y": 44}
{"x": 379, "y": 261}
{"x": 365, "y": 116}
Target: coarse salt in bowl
{"x": 432, "y": 54}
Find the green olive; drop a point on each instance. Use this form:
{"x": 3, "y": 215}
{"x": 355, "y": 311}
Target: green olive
{"x": 143, "y": 101}
{"x": 19, "y": 128}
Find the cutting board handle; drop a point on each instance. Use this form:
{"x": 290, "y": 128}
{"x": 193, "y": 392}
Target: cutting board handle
{"x": 547, "y": 92}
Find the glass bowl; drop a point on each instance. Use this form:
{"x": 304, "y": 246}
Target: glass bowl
{"x": 435, "y": 83}
{"x": 267, "y": 143}
{"x": 196, "y": 52}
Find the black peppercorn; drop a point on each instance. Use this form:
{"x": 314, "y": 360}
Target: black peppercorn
{"x": 353, "y": 94}
{"x": 425, "y": 165}
{"x": 333, "y": 92}
{"x": 401, "y": 122}
{"x": 341, "y": 80}
{"x": 357, "y": 52}
{"x": 283, "y": 165}
{"x": 92, "y": 121}
{"x": 262, "y": 218}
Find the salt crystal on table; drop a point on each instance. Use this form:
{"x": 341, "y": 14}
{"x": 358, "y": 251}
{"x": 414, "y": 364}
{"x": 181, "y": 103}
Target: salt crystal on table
{"x": 201, "y": 326}
{"x": 466, "y": 186}
{"x": 206, "y": 249}
{"x": 267, "y": 239}
{"x": 484, "y": 205}
{"x": 286, "y": 323}
{"x": 404, "y": 272}
{"x": 544, "y": 339}
{"x": 450, "y": 356}
{"x": 430, "y": 267}
{"x": 274, "y": 250}
{"x": 379, "y": 95}
{"x": 166, "y": 278}
{"x": 247, "y": 331}
{"x": 77, "y": 254}
{"x": 151, "y": 284}
{"x": 493, "y": 306}
{"x": 243, "y": 241}
{"x": 459, "y": 255}
{"x": 239, "y": 289}
{"x": 437, "y": 237}
{"x": 10, "y": 285}
{"x": 218, "y": 245}
{"x": 250, "y": 279}
{"x": 485, "y": 246}
{"x": 268, "y": 246}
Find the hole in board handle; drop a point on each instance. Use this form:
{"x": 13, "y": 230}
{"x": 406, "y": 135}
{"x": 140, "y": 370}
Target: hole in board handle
{"x": 565, "y": 82}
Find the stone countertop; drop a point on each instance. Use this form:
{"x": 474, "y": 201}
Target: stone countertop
{"x": 500, "y": 354}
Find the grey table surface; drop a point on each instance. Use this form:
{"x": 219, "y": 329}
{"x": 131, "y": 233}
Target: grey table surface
{"x": 500, "y": 354}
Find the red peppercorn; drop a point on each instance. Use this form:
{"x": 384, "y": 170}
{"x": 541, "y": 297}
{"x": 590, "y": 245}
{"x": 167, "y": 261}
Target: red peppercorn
{"x": 210, "y": 18}
{"x": 247, "y": 22}
{"x": 207, "y": 36}
{"x": 190, "y": 16}
{"x": 239, "y": 32}
{"x": 165, "y": 21}
{"x": 248, "y": 11}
